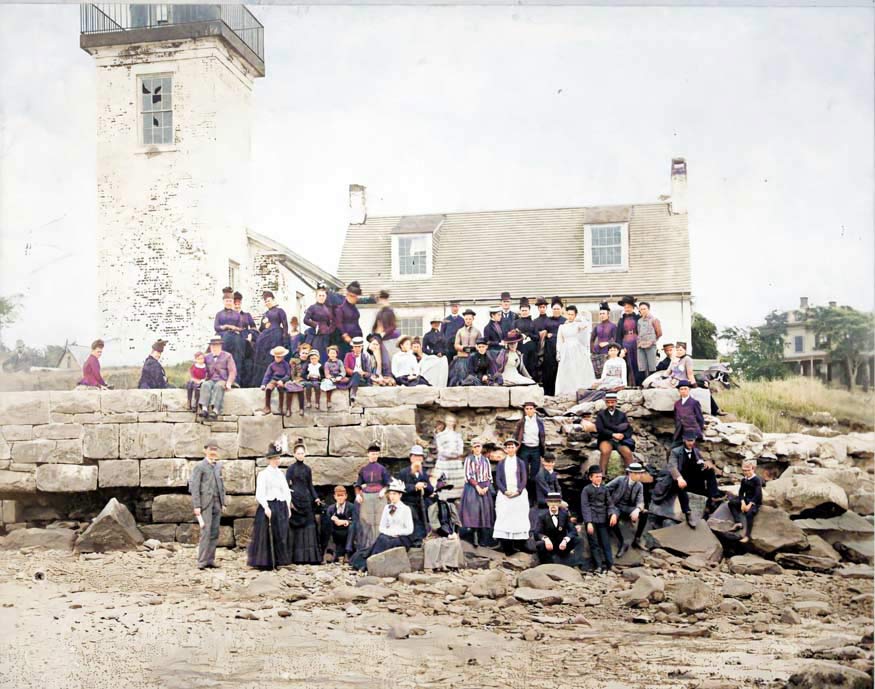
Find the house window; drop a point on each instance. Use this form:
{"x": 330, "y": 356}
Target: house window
{"x": 233, "y": 274}
{"x": 412, "y": 327}
{"x": 606, "y": 247}
{"x": 798, "y": 343}
{"x": 156, "y": 111}
{"x": 162, "y": 13}
{"x": 411, "y": 256}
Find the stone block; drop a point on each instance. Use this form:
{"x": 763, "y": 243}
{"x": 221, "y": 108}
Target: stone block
{"x": 488, "y": 397}
{"x": 774, "y": 531}
{"x": 5, "y": 450}
{"x": 14, "y": 482}
{"x": 396, "y": 441}
{"x": 113, "y": 529}
{"x": 165, "y": 473}
{"x": 227, "y": 442}
{"x": 58, "y": 431}
{"x": 377, "y": 397}
{"x": 126, "y": 417}
{"x": 75, "y": 401}
{"x": 188, "y": 439}
{"x": 166, "y": 533}
{"x": 339, "y": 401}
{"x": 118, "y": 473}
{"x": 10, "y": 511}
{"x": 25, "y": 408}
{"x": 314, "y": 439}
{"x": 334, "y": 471}
{"x": 333, "y": 419}
{"x": 67, "y": 452}
{"x": 220, "y": 427}
{"x": 255, "y": 433}
{"x": 56, "y": 417}
{"x": 14, "y": 433}
{"x": 100, "y": 441}
{"x": 92, "y": 417}
{"x": 453, "y": 398}
{"x": 352, "y": 440}
{"x": 191, "y": 533}
{"x": 385, "y": 416}
{"x": 66, "y": 478}
{"x": 174, "y": 400}
{"x": 173, "y": 507}
{"x": 44, "y": 539}
{"x": 243, "y": 531}
{"x": 685, "y": 541}
{"x": 242, "y": 402}
{"x": 239, "y": 476}
{"x": 152, "y": 416}
{"x": 420, "y": 396}
{"x": 389, "y": 563}
{"x": 129, "y": 401}
{"x": 146, "y": 441}
{"x": 33, "y": 451}
{"x": 521, "y": 394}
{"x": 240, "y": 506}
{"x": 186, "y": 417}
{"x": 661, "y": 399}
{"x": 703, "y": 397}
{"x": 30, "y": 468}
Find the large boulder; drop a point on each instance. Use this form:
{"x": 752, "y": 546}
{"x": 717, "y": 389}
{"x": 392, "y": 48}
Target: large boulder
{"x": 683, "y": 540}
{"x": 737, "y": 588}
{"x": 645, "y": 590}
{"x": 820, "y": 557}
{"x": 46, "y": 539}
{"x": 661, "y": 399}
{"x": 753, "y": 564}
{"x": 824, "y": 675}
{"x": 389, "y": 563}
{"x": 491, "y": 584}
{"x": 774, "y": 531}
{"x": 847, "y": 526}
{"x": 693, "y": 595}
{"x": 801, "y": 491}
{"x": 113, "y": 529}
{"x": 66, "y": 478}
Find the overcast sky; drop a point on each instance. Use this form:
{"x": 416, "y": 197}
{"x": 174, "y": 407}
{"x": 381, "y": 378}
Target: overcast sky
{"x": 463, "y": 109}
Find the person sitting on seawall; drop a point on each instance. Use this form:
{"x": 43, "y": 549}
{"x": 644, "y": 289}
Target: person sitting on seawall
{"x": 91, "y": 378}
{"x": 221, "y": 373}
{"x": 614, "y": 433}
{"x": 153, "y": 376}
{"x": 405, "y": 367}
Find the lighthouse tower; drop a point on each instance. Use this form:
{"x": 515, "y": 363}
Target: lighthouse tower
{"x": 174, "y": 120}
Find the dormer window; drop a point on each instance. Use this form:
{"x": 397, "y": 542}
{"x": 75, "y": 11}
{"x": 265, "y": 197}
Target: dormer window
{"x": 411, "y": 256}
{"x": 606, "y": 247}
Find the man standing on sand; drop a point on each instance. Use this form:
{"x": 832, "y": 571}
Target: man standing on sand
{"x": 208, "y": 499}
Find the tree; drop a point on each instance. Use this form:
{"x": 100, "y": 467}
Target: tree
{"x": 758, "y": 353}
{"x": 704, "y": 337}
{"x": 8, "y": 314}
{"x": 846, "y": 335}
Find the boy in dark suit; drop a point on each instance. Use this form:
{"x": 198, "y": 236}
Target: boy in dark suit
{"x": 555, "y": 535}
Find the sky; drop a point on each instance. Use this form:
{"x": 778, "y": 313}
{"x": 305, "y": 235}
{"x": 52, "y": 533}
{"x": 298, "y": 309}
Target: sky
{"x": 442, "y": 109}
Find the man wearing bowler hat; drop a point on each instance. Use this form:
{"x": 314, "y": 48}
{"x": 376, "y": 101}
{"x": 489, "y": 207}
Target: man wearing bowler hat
{"x": 555, "y": 535}
{"x": 614, "y": 433}
{"x": 687, "y": 415}
{"x": 507, "y": 316}
{"x": 691, "y": 473}
{"x": 208, "y": 500}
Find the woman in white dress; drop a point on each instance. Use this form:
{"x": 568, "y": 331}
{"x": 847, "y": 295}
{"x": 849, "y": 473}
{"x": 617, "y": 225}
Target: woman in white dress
{"x": 572, "y": 351}
{"x": 509, "y": 362}
{"x": 511, "y": 504}
{"x": 433, "y": 368}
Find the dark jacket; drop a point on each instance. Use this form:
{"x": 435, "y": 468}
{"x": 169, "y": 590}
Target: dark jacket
{"x": 607, "y": 424}
{"x": 434, "y": 343}
{"x": 545, "y": 482}
{"x": 152, "y": 376}
{"x": 596, "y": 504}
{"x": 411, "y": 495}
{"x": 678, "y": 464}
{"x": 329, "y": 529}
{"x": 520, "y": 427}
{"x": 521, "y": 475}
{"x": 565, "y": 529}
{"x": 627, "y": 495}
{"x": 688, "y": 417}
{"x": 751, "y": 490}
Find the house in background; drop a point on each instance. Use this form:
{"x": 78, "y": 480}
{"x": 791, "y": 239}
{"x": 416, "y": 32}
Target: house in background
{"x": 583, "y": 254}
{"x": 74, "y": 356}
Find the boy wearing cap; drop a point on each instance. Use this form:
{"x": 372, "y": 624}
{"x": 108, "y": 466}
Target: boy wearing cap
{"x": 153, "y": 377}
{"x": 687, "y": 415}
{"x": 208, "y": 501}
{"x": 358, "y": 366}
{"x": 555, "y": 535}
{"x": 627, "y": 493}
{"x": 338, "y": 527}
{"x": 370, "y": 488}
{"x": 691, "y": 473}
{"x": 614, "y": 433}
{"x": 276, "y": 376}
{"x": 221, "y": 373}
{"x": 417, "y": 493}
{"x": 599, "y": 514}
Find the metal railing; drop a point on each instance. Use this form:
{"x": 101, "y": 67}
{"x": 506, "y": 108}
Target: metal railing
{"x": 104, "y": 18}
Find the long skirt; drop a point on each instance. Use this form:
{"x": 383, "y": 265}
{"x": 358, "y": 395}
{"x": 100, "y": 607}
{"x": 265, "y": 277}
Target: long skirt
{"x": 258, "y": 553}
{"x": 304, "y": 544}
{"x": 549, "y": 367}
{"x": 458, "y": 370}
{"x": 320, "y": 343}
{"x": 512, "y": 517}
{"x": 631, "y": 349}
{"x": 384, "y": 543}
{"x": 267, "y": 340}
{"x": 477, "y": 511}
{"x": 235, "y": 345}
{"x": 435, "y": 370}
{"x": 370, "y": 513}
{"x": 529, "y": 350}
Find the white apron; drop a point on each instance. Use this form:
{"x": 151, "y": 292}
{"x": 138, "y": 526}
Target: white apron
{"x": 511, "y": 514}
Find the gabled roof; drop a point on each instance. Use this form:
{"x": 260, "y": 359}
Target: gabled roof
{"x": 294, "y": 261}
{"x": 80, "y": 353}
{"x": 536, "y": 252}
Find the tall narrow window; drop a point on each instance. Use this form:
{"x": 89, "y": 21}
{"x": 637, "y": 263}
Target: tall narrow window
{"x": 234, "y": 274}
{"x": 413, "y": 255}
{"x": 798, "y": 343}
{"x": 156, "y": 109}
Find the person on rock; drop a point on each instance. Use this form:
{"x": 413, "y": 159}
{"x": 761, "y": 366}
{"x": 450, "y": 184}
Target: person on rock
{"x": 358, "y": 365}
{"x": 320, "y": 319}
{"x": 229, "y": 325}
{"x": 746, "y": 504}
{"x": 346, "y": 319}
{"x": 599, "y": 515}
{"x": 208, "y": 501}
{"x": 370, "y": 488}
{"x": 338, "y": 527}
{"x": 294, "y": 386}
{"x": 613, "y": 378}
{"x": 627, "y": 493}
{"x": 555, "y": 535}
{"x": 153, "y": 376}
{"x": 665, "y": 362}
{"x": 529, "y": 346}
{"x": 275, "y": 378}
{"x": 396, "y": 522}
{"x": 691, "y": 473}
{"x": 477, "y": 508}
{"x": 197, "y": 373}
{"x": 482, "y": 369}
{"x": 546, "y": 481}
{"x": 405, "y": 367}
{"x": 687, "y": 415}
{"x": 627, "y": 337}
{"x": 512, "y": 524}
{"x": 334, "y": 375}
{"x": 312, "y": 382}
{"x": 249, "y": 333}
{"x": 614, "y": 432}
{"x": 274, "y": 505}
{"x": 530, "y": 433}
{"x": 91, "y": 377}
{"x": 418, "y": 493}
{"x": 221, "y": 374}
{"x": 649, "y": 333}
{"x": 464, "y": 344}
{"x": 603, "y": 334}
{"x": 493, "y": 333}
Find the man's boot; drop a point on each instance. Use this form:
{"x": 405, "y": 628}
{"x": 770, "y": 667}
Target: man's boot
{"x": 267, "y": 396}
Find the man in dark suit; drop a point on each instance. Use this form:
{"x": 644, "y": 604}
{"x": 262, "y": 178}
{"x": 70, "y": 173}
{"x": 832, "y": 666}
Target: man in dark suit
{"x": 692, "y": 473}
{"x": 687, "y": 415}
{"x": 508, "y": 317}
{"x": 614, "y": 433}
{"x": 208, "y": 499}
{"x": 555, "y": 535}
{"x": 449, "y": 327}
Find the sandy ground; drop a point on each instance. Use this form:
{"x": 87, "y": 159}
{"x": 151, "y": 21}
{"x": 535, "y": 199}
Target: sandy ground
{"x": 150, "y": 619}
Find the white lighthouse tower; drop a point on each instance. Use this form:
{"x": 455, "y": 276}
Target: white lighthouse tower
{"x": 174, "y": 93}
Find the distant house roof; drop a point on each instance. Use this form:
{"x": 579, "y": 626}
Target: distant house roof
{"x": 79, "y": 352}
{"x": 294, "y": 261}
{"x": 529, "y": 252}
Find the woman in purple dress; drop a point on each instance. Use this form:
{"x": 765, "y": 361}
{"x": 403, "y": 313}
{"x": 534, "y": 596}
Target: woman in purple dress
{"x": 273, "y": 329}
{"x": 603, "y": 334}
{"x": 627, "y": 337}
{"x": 320, "y": 317}
{"x": 477, "y": 509}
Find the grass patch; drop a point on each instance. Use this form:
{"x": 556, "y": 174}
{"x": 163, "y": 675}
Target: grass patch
{"x": 783, "y": 406}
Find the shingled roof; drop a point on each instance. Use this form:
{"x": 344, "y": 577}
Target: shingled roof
{"x": 529, "y": 252}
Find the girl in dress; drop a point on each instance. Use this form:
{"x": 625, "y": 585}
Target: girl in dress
{"x": 572, "y": 350}
{"x": 381, "y": 368}
{"x": 313, "y": 379}
{"x": 273, "y": 332}
{"x": 613, "y": 377}
{"x": 274, "y": 504}
{"x": 295, "y": 336}
{"x": 405, "y": 367}
{"x": 680, "y": 368}
{"x": 510, "y": 364}
{"x": 335, "y": 375}
{"x": 303, "y": 540}
{"x": 295, "y": 384}
{"x": 477, "y": 508}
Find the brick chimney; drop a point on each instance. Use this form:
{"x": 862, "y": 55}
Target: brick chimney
{"x": 803, "y": 302}
{"x": 678, "y": 186}
{"x": 358, "y": 205}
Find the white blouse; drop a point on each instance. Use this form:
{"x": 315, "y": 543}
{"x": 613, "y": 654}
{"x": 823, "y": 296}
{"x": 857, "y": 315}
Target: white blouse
{"x": 404, "y": 364}
{"x": 398, "y": 524}
{"x": 271, "y": 484}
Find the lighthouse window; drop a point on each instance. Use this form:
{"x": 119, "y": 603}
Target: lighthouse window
{"x": 156, "y": 110}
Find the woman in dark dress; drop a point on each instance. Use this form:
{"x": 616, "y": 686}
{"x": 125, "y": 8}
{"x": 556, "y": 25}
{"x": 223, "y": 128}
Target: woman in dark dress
{"x": 627, "y": 338}
{"x": 320, "y": 318}
{"x": 229, "y": 325}
{"x": 551, "y": 365}
{"x": 386, "y": 326}
{"x": 274, "y": 498}
{"x": 273, "y": 332}
{"x": 303, "y": 538}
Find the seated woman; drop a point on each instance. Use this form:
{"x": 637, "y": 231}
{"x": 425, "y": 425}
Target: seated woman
{"x": 613, "y": 377}
{"x": 434, "y": 368}
{"x": 481, "y": 369}
{"x": 405, "y": 367}
{"x": 381, "y": 367}
{"x": 91, "y": 377}
{"x": 396, "y": 526}
{"x": 680, "y": 368}
{"x": 509, "y": 362}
